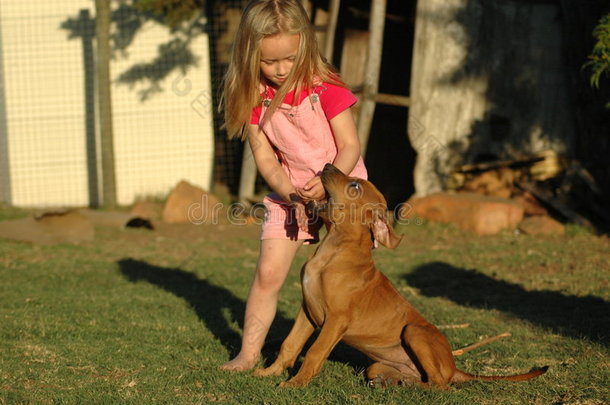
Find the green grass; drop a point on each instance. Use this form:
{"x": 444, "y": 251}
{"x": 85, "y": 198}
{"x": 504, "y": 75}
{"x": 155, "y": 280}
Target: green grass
{"x": 8, "y": 212}
{"x": 142, "y": 317}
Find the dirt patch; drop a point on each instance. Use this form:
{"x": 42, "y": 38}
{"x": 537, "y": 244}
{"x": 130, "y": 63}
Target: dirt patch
{"x": 49, "y": 228}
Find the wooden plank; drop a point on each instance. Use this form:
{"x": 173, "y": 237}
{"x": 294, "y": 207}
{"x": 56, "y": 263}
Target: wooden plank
{"x": 392, "y": 99}
{"x": 385, "y": 98}
{"x": 329, "y": 40}
{"x": 371, "y": 72}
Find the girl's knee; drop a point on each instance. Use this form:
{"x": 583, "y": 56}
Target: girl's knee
{"x": 269, "y": 279}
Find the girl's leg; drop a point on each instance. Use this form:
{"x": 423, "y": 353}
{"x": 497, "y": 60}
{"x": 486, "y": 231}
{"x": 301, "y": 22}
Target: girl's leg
{"x": 274, "y": 262}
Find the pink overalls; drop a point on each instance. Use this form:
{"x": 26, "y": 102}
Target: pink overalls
{"x": 304, "y": 143}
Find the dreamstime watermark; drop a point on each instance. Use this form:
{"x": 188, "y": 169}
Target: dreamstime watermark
{"x": 207, "y": 212}
{"x": 420, "y": 140}
{"x": 215, "y": 213}
{"x": 202, "y": 104}
{"x": 256, "y": 330}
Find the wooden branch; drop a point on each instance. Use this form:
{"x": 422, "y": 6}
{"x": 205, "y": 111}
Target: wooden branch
{"x": 556, "y": 203}
{"x": 458, "y": 326}
{"x": 473, "y": 346}
{"x": 484, "y": 166}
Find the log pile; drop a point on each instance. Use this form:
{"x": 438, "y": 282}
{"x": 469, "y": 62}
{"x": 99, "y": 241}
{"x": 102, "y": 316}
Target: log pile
{"x": 534, "y": 195}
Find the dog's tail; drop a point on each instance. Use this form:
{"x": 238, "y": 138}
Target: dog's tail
{"x": 461, "y": 376}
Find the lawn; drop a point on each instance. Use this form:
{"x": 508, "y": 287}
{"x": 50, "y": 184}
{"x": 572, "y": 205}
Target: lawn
{"x": 145, "y": 317}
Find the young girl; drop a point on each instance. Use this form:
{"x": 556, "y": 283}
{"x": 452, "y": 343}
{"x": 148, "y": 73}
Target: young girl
{"x": 293, "y": 108}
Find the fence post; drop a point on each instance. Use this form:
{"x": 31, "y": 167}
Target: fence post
{"x": 5, "y": 168}
{"x": 102, "y": 17}
{"x": 88, "y": 34}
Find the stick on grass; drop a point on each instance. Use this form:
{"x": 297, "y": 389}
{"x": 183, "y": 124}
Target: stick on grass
{"x": 473, "y": 346}
{"x": 458, "y": 326}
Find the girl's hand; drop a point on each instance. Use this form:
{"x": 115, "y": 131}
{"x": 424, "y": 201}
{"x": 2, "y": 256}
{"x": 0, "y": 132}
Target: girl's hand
{"x": 312, "y": 190}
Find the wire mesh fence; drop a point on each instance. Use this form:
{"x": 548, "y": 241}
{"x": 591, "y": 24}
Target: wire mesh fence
{"x": 163, "y": 104}
{"x": 165, "y": 92}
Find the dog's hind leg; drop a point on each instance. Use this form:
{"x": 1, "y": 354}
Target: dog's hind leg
{"x": 432, "y": 352}
{"x": 291, "y": 347}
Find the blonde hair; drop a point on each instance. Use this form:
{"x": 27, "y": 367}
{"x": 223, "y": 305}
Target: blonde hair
{"x": 241, "y": 87}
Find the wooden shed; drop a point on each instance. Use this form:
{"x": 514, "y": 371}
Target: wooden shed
{"x": 462, "y": 81}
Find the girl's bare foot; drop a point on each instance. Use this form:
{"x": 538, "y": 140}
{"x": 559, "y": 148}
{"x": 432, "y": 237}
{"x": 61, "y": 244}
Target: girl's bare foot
{"x": 240, "y": 363}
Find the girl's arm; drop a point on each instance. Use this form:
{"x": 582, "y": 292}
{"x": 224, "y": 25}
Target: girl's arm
{"x": 271, "y": 170}
{"x": 348, "y": 153}
{"x": 348, "y": 144}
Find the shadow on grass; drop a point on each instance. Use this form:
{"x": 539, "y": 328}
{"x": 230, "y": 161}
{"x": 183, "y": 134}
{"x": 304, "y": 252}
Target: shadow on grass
{"x": 210, "y": 302}
{"x": 569, "y": 315}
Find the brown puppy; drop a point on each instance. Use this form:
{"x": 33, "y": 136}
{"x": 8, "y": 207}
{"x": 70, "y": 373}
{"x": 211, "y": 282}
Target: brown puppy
{"x": 350, "y": 300}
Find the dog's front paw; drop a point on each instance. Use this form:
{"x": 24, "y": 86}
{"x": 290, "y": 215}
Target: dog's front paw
{"x": 267, "y": 372}
{"x": 294, "y": 383}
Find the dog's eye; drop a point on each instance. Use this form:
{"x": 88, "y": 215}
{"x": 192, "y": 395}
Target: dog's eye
{"x": 353, "y": 190}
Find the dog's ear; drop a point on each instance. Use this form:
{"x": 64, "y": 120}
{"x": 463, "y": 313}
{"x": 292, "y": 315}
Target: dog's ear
{"x": 383, "y": 232}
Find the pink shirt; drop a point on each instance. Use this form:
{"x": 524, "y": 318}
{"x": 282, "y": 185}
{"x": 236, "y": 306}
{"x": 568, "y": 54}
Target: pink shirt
{"x": 301, "y": 133}
{"x": 333, "y": 99}
{"x": 303, "y": 140}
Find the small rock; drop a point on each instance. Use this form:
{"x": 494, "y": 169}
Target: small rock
{"x": 190, "y": 204}
{"x": 542, "y": 224}
{"x": 483, "y": 215}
